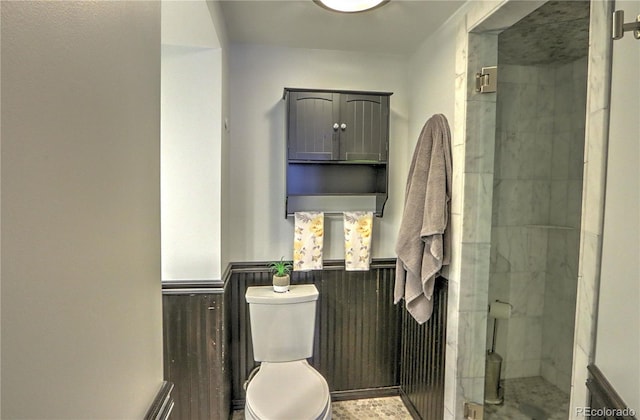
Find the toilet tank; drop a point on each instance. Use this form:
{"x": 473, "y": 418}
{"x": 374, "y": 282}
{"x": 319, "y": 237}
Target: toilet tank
{"x": 282, "y": 324}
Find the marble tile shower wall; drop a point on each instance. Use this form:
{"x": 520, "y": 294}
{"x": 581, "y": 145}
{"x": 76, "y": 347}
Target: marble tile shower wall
{"x": 565, "y": 212}
{"x": 536, "y": 216}
{"x": 521, "y": 200}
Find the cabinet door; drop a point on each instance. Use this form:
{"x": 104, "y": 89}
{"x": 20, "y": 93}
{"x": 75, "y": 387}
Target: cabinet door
{"x": 364, "y": 127}
{"x": 311, "y": 133}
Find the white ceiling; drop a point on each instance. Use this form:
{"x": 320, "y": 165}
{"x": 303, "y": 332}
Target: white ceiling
{"x": 398, "y": 27}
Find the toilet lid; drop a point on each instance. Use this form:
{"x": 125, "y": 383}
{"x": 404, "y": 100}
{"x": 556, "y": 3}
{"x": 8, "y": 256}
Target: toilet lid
{"x": 287, "y": 390}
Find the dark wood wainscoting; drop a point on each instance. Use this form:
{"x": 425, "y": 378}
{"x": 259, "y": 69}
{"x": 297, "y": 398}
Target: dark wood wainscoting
{"x": 365, "y": 346}
{"x": 422, "y": 358}
{"x": 195, "y": 352}
{"x": 357, "y": 327}
{"x": 604, "y": 401}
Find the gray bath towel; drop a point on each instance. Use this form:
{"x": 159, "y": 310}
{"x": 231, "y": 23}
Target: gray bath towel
{"x": 424, "y": 240}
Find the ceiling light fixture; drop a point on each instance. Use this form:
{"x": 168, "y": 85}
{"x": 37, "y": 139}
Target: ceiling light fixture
{"x": 350, "y": 6}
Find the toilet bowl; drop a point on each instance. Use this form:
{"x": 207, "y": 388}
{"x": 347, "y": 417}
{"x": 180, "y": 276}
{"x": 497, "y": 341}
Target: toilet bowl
{"x": 287, "y": 391}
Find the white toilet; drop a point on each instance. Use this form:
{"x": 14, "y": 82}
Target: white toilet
{"x": 282, "y": 327}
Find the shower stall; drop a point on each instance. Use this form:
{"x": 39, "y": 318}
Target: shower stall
{"x": 536, "y": 209}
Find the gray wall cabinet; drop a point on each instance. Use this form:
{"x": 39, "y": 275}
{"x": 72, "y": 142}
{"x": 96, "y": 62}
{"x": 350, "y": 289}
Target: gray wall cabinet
{"x": 337, "y": 144}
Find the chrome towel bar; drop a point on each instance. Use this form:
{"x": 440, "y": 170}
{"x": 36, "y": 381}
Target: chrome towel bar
{"x": 619, "y": 27}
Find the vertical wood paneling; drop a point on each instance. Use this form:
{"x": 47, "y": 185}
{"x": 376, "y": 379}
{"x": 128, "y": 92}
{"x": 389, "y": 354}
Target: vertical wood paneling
{"x": 362, "y": 342}
{"x": 357, "y": 328}
{"x": 195, "y": 361}
{"x": 423, "y": 358}
{"x": 604, "y": 400}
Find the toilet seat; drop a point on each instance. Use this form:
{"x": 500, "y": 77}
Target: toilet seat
{"x": 287, "y": 391}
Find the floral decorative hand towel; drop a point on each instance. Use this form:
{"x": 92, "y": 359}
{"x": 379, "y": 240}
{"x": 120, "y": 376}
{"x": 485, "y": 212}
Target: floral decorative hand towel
{"x": 308, "y": 241}
{"x": 357, "y": 240}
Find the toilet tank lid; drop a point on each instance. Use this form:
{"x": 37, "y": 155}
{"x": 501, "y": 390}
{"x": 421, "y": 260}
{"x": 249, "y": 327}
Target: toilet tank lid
{"x": 296, "y": 294}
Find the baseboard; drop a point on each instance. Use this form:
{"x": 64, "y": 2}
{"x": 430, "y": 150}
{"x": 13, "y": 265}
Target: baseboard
{"x": 358, "y": 394}
{"x": 409, "y": 405}
{"x": 162, "y": 404}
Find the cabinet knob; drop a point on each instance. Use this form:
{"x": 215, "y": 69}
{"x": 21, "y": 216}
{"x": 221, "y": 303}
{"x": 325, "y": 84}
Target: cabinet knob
{"x": 336, "y": 126}
{"x": 343, "y": 126}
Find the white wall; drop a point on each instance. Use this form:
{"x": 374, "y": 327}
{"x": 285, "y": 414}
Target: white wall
{"x": 191, "y": 155}
{"x": 189, "y": 22}
{"x": 258, "y": 74}
{"x": 81, "y": 300}
{"x": 194, "y": 106}
{"x": 217, "y": 18}
{"x": 432, "y": 79}
{"x": 618, "y": 339}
